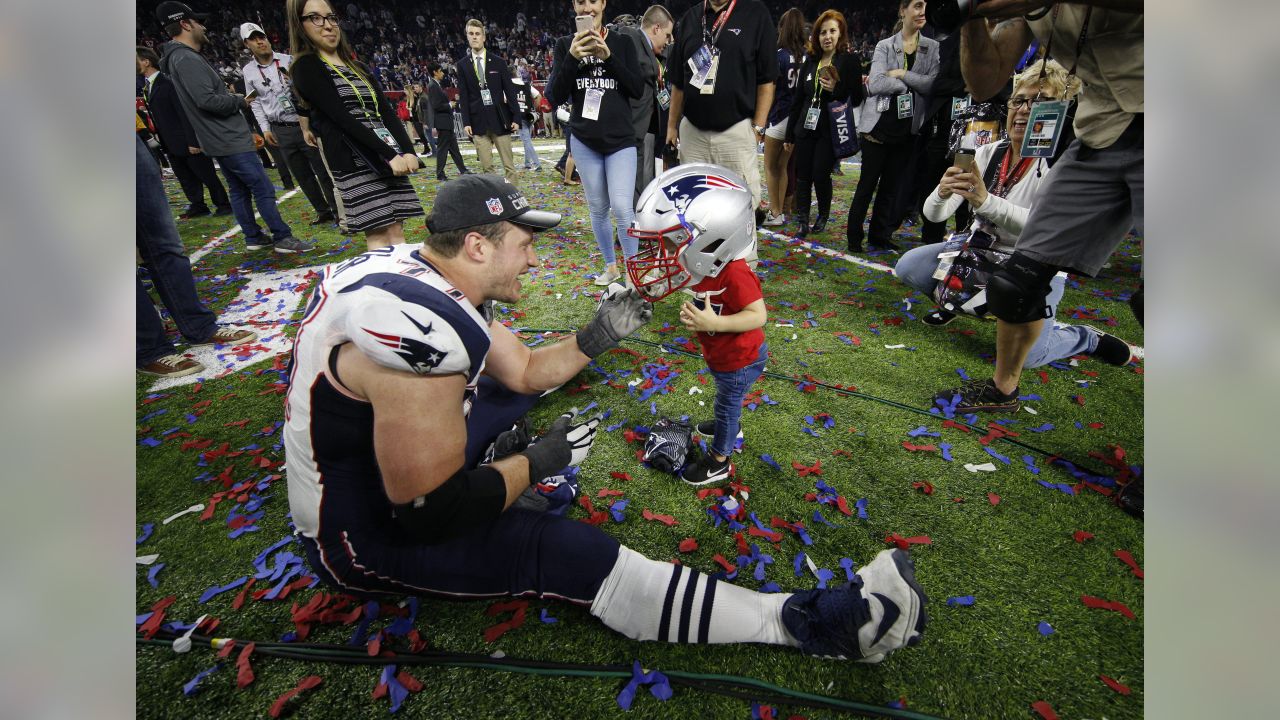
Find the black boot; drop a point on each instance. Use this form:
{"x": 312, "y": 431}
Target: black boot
{"x": 820, "y": 224}
{"x": 803, "y": 229}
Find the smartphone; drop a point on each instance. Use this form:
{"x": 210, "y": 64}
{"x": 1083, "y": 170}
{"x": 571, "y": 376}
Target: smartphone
{"x": 253, "y": 93}
{"x": 831, "y": 72}
{"x": 966, "y": 161}
{"x": 585, "y": 22}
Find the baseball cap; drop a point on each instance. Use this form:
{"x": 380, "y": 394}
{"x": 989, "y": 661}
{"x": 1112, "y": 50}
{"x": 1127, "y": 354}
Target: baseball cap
{"x": 248, "y": 29}
{"x": 480, "y": 199}
{"x": 171, "y": 12}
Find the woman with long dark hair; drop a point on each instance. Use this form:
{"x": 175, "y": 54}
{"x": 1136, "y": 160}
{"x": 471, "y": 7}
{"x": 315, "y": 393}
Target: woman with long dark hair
{"x": 902, "y": 71}
{"x": 363, "y": 140}
{"x": 776, "y": 153}
{"x": 830, "y": 73}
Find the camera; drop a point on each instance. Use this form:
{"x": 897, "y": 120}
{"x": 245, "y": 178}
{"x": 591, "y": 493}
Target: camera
{"x": 949, "y": 15}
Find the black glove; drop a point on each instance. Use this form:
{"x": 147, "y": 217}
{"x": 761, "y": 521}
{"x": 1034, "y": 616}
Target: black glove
{"x": 562, "y": 445}
{"x": 622, "y": 311}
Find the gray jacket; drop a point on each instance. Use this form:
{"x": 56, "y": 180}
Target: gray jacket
{"x": 643, "y": 107}
{"x": 213, "y": 110}
{"x": 919, "y": 80}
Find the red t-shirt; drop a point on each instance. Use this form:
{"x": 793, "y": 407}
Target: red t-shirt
{"x": 728, "y": 293}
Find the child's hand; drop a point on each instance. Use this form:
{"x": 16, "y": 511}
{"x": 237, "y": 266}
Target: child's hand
{"x": 698, "y": 320}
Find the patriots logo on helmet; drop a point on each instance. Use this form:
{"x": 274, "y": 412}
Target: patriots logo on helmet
{"x": 421, "y": 357}
{"x": 494, "y": 205}
{"x": 685, "y": 189}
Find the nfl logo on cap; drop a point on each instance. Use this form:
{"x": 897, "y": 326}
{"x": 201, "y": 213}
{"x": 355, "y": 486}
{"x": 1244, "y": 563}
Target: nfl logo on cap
{"x": 494, "y": 205}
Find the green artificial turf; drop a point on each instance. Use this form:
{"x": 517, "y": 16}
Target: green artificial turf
{"x": 1017, "y": 558}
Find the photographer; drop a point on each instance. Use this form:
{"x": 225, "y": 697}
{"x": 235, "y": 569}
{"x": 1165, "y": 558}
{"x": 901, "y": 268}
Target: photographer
{"x": 1002, "y": 192}
{"x": 1097, "y": 184}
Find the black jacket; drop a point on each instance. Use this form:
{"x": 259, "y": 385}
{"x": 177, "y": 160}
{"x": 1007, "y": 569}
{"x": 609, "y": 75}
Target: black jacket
{"x": 618, "y": 77}
{"x": 849, "y": 86}
{"x": 644, "y": 107}
{"x": 482, "y": 119}
{"x": 442, "y": 114}
{"x": 172, "y": 125}
{"x": 335, "y": 125}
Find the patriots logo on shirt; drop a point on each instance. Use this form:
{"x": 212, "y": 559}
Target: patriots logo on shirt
{"x": 735, "y": 31}
{"x": 421, "y": 357}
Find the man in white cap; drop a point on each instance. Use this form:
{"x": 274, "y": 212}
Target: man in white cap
{"x": 266, "y": 81}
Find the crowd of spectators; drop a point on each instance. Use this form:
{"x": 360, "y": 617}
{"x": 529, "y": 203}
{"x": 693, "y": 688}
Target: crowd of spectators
{"x": 398, "y": 38}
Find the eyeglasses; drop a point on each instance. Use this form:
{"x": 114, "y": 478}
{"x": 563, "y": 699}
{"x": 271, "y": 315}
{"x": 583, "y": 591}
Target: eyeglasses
{"x": 1017, "y": 102}
{"x": 319, "y": 20}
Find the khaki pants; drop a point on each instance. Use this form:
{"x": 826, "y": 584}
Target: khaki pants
{"x": 733, "y": 148}
{"x": 484, "y": 151}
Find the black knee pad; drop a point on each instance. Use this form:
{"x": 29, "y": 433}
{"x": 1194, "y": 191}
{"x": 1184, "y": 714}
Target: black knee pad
{"x": 1016, "y": 292}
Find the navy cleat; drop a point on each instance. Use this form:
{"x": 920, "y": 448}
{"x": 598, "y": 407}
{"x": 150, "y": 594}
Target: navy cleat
{"x": 881, "y": 611}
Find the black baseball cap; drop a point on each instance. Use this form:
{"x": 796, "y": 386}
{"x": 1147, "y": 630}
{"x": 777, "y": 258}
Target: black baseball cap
{"x": 169, "y": 12}
{"x": 473, "y": 200}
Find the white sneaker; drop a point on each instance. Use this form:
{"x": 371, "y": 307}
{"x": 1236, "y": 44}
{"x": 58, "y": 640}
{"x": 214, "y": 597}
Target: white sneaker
{"x": 606, "y": 277}
{"x": 772, "y": 220}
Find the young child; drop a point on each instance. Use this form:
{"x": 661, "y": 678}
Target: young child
{"x": 728, "y": 313}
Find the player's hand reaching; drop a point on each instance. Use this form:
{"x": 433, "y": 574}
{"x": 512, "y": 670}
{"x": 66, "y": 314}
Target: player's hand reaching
{"x": 622, "y": 311}
{"x": 562, "y": 445}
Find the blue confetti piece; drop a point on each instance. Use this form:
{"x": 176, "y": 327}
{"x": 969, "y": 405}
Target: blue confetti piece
{"x": 1045, "y": 628}
{"x": 658, "y": 684}
{"x": 963, "y": 375}
{"x": 946, "y": 451}
{"x": 149, "y": 442}
{"x": 824, "y": 576}
{"x": 861, "y": 505}
{"x": 965, "y": 600}
{"x": 1043, "y": 428}
{"x": 139, "y": 619}
{"x": 146, "y": 533}
{"x": 997, "y": 456}
{"x": 804, "y": 536}
{"x": 192, "y": 685}
{"x": 617, "y": 508}
{"x": 799, "y": 561}
{"x": 1066, "y": 488}
{"x": 809, "y": 419}
{"x": 361, "y": 634}
{"x": 544, "y": 617}
{"x": 151, "y": 574}
{"x": 150, "y": 415}
{"x": 770, "y": 587}
{"x": 810, "y": 431}
{"x": 219, "y": 589}
{"x": 653, "y": 408}
{"x": 402, "y": 625}
{"x": 611, "y": 428}
{"x": 817, "y": 517}
{"x": 1031, "y": 464}
{"x": 768, "y": 460}
{"x": 847, "y": 564}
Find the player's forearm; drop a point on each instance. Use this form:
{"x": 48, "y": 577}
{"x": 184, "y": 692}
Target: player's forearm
{"x": 553, "y": 365}
{"x": 515, "y": 472}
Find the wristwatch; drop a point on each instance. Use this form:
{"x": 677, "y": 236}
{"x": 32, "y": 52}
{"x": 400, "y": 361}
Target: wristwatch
{"x": 758, "y": 128}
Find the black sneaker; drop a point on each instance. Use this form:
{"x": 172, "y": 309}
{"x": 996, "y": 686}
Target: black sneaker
{"x": 708, "y": 430}
{"x": 976, "y": 396}
{"x": 707, "y": 471}
{"x": 324, "y": 220}
{"x": 881, "y": 611}
{"x": 1111, "y": 349}
{"x": 219, "y": 212}
{"x": 938, "y": 318}
{"x": 199, "y": 212}
{"x": 1130, "y": 498}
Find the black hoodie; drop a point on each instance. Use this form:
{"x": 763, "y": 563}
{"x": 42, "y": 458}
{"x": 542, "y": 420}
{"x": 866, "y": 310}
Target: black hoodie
{"x": 213, "y": 110}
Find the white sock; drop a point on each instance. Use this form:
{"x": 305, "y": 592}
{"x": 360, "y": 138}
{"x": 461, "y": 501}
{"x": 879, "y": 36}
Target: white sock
{"x": 649, "y": 600}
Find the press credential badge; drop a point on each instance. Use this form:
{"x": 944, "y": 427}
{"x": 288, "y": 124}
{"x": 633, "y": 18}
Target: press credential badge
{"x": 1044, "y": 129}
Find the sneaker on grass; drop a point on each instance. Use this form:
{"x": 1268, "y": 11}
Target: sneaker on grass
{"x": 228, "y": 336}
{"x": 978, "y": 395}
{"x": 606, "y": 277}
{"x": 772, "y": 220}
{"x": 175, "y": 365}
{"x": 708, "y": 430}
{"x": 1111, "y": 349}
{"x": 262, "y": 242}
{"x": 881, "y": 611}
{"x": 707, "y": 471}
{"x": 292, "y": 245}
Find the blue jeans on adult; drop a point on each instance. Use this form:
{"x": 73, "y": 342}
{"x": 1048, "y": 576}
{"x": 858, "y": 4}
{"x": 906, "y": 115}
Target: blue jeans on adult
{"x": 609, "y": 181}
{"x": 731, "y": 388}
{"x": 166, "y": 260}
{"x": 247, "y": 183}
{"x": 531, "y": 159}
{"x": 1057, "y": 340}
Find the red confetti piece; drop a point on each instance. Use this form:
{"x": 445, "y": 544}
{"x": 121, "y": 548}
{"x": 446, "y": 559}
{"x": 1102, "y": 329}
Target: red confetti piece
{"x": 667, "y": 520}
{"x": 688, "y": 545}
{"x": 741, "y": 543}
{"x": 416, "y": 641}
{"x": 919, "y": 448}
{"x": 1078, "y": 399}
{"x": 1096, "y": 425}
{"x": 1127, "y": 559}
{"x": 905, "y": 543}
{"x": 1044, "y": 709}
{"x": 307, "y": 683}
{"x": 1044, "y": 378}
{"x": 227, "y": 649}
{"x": 1113, "y": 605}
{"x": 516, "y": 607}
{"x": 804, "y": 470}
{"x": 1080, "y": 536}
{"x": 606, "y": 492}
{"x": 956, "y": 425}
{"x": 619, "y": 475}
{"x": 410, "y": 683}
{"x": 1122, "y": 689}
{"x": 237, "y": 423}
{"x": 843, "y": 505}
{"x": 375, "y": 645}
{"x": 244, "y": 672}
{"x": 993, "y": 498}
{"x": 769, "y": 534}
{"x": 719, "y": 560}
{"x": 239, "y": 601}
{"x": 153, "y": 623}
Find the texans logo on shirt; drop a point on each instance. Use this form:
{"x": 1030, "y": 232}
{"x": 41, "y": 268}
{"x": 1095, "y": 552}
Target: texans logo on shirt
{"x": 418, "y": 355}
{"x": 684, "y": 190}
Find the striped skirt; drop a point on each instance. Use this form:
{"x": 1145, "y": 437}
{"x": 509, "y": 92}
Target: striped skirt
{"x": 371, "y": 202}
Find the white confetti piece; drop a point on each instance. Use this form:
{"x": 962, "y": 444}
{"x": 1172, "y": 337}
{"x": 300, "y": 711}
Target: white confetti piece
{"x": 193, "y": 509}
{"x": 984, "y": 467}
{"x": 148, "y": 559}
{"x": 813, "y": 568}
{"x": 894, "y": 347}
{"x": 1030, "y": 410}
{"x": 695, "y": 390}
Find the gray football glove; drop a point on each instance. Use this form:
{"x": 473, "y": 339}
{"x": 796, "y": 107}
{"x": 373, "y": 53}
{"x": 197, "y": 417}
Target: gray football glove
{"x": 622, "y": 311}
{"x": 562, "y": 445}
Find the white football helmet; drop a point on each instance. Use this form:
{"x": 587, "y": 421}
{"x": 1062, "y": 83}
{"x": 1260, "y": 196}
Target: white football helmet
{"x": 691, "y": 221}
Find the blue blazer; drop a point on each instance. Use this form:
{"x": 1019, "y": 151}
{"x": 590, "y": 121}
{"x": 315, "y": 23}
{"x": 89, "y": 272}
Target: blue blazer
{"x": 919, "y": 79}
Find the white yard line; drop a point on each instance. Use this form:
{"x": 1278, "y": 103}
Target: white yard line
{"x": 209, "y": 246}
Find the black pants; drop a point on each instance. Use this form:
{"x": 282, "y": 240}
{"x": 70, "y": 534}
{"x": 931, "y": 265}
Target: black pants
{"x": 447, "y": 145}
{"x": 422, "y": 134}
{"x": 814, "y": 161}
{"x": 307, "y": 168}
{"x": 195, "y": 173}
{"x": 272, "y": 158}
{"x": 882, "y": 166}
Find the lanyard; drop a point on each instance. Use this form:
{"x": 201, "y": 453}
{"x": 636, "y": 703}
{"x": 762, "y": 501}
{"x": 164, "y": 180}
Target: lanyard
{"x": 1002, "y": 189}
{"x": 817, "y": 88}
{"x": 1084, "y": 32}
{"x": 904, "y": 51}
{"x": 279, "y": 74}
{"x": 709, "y": 37}
{"x": 373, "y": 98}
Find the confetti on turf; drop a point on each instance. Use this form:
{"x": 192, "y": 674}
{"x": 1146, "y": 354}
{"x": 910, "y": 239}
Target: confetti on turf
{"x": 516, "y": 607}
{"x": 305, "y": 684}
{"x": 993, "y": 498}
{"x": 1127, "y": 559}
{"x": 984, "y": 467}
{"x": 962, "y": 600}
{"x": 1045, "y": 628}
{"x": 688, "y": 545}
{"x": 244, "y": 671}
{"x": 617, "y": 510}
{"x": 192, "y": 686}
{"x": 667, "y": 520}
{"x": 1044, "y": 709}
{"x": 1114, "y": 605}
{"x": 151, "y": 574}
{"x": 219, "y": 589}
{"x": 906, "y": 542}
{"x": 545, "y": 618}
{"x": 657, "y": 683}
{"x": 804, "y": 470}
{"x": 1080, "y": 536}
{"x": 1111, "y": 683}
{"x": 847, "y": 565}
{"x": 997, "y": 456}
{"x": 147, "y": 529}
{"x": 768, "y": 460}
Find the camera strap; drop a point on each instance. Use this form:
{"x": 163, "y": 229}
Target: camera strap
{"x": 1080, "y": 41}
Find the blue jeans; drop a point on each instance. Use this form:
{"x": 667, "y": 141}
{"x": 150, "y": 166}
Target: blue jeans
{"x": 731, "y": 388}
{"x": 531, "y": 159}
{"x": 609, "y": 181}
{"x": 1057, "y": 340}
{"x": 247, "y": 182}
{"x": 166, "y": 260}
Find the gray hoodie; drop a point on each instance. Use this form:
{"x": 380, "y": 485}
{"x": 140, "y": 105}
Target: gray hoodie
{"x": 213, "y": 110}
